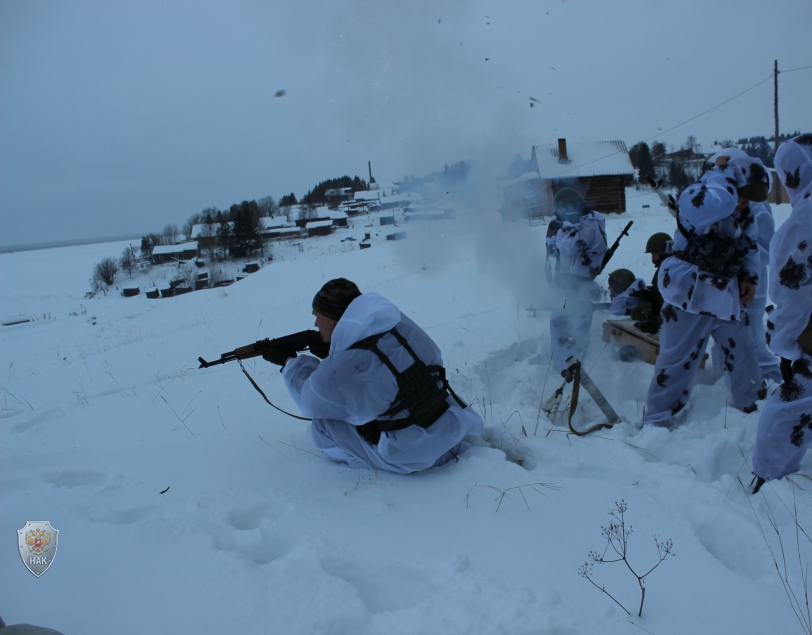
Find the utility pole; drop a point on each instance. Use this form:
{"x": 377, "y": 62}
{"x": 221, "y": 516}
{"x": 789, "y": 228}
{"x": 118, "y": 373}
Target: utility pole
{"x": 775, "y": 73}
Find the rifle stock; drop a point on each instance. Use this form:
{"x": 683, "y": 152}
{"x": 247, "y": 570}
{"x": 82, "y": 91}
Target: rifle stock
{"x": 302, "y": 341}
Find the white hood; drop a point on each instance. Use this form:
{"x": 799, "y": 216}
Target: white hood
{"x": 367, "y": 315}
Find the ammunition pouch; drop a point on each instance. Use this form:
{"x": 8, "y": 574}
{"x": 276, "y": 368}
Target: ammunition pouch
{"x": 423, "y": 390}
{"x": 715, "y": 254}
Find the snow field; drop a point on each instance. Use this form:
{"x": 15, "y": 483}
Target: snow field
{"x": 260, "y": 534}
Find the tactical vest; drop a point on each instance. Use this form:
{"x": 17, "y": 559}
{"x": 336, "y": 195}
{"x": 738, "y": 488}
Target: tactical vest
{"x": 418, "y": 391}
{"x": 713, "y": 253}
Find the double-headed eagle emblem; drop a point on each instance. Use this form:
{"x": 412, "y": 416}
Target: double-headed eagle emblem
{"x": 37, "y": 542}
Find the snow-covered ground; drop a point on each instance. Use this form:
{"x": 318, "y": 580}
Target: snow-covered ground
{"x": 104, "y": 408}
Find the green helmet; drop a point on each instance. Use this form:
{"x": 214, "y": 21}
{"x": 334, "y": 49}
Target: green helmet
{"x": 656, "y": 244}
{"x": 569, "y": 204}
{"x": 755, "y": 192}
{"x": 622, "y": 278}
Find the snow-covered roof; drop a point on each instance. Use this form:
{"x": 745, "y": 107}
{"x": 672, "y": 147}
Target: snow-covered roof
{"x": 405, "y": 197}
{"x": 174, "y": 249}
{"x": 524, "y": 178}
{"x": 319, "y": 223}
{"x": 371, "y": 195}
{"x": 266, "y": 223}
{"x": 586, "y": 158}
{"x": 198, "y": 230}
{"x": 337, "y": 215}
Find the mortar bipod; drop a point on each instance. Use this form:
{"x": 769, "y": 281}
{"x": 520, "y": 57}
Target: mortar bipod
{"x": 578, "y": 376}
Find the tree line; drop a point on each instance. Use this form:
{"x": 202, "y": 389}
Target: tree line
{"x": 236, "y": 230}
{"x": 678, "y": 169}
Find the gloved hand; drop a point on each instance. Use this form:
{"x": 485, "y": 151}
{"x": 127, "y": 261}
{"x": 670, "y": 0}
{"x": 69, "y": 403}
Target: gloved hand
{"x": 650, "y": 327}
{"x": 320, "y": 349}
{"x": 786, "y": 369}
{"x": 278, "y": 355}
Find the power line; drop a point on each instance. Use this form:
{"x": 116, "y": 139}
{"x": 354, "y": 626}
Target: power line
{"x": 712, "y": 109}
{"x": 662, "y": 132}
{"x": 802, "y": 68}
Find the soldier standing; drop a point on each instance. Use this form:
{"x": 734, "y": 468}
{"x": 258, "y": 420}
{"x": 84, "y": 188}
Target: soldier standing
{"x": 579, "y": 245}
{"x": 647, "y": 313}
{"x": 785, "y": 428}
{"x": 755, "y": 186}
{"x": 713, "y": 270}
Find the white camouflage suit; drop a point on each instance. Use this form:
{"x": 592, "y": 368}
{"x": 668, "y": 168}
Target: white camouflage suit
{"x": 785, "y": 428}
{"x": 580, "y": 247}
{"x": 698, "y": 304}
{"x": 753, "y": 169}
{"x": 352, "y": 387}
{"x": 623, "y": 303}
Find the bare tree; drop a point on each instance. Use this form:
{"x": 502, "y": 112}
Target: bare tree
{"x": 188, "y": 273}
{"x": 268, "y": 206}
{"x": 208, "y": 237}
{"x": 104, "y": 273}
{"x": 215, "y": 276}
{"x": 170, "y": 234}
{"x": 127, "y": 261}
{"x": 306, "y": 212}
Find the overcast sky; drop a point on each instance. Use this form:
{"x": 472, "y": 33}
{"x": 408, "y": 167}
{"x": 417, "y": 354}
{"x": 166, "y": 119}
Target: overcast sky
{"x": 119, "y": 117}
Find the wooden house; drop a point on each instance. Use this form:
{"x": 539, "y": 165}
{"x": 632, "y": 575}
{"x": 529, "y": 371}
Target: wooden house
{"x": 599, "y": 170}
{"x": 174, "y": 253}
{"x": 320, "y": 228}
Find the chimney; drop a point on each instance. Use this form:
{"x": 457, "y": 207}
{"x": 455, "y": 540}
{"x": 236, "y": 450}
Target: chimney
{"x": 369, "y": 165}
{"x": 562, "y": 151}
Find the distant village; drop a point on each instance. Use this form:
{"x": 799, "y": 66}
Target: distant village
{"x": 599, "y": 170}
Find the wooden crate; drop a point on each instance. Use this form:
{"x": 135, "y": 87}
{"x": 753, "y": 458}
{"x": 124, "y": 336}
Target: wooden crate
{"x": 624, "y": 334}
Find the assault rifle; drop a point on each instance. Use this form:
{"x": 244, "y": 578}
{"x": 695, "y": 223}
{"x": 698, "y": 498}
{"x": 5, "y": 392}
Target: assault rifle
{"x": 303, "y": 341}
{"x": 611, "y": 251}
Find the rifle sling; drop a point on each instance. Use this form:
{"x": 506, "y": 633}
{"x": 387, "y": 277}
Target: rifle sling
{"x": 264, "y": 396}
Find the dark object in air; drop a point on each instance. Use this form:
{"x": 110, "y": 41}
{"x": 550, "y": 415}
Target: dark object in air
{"x": 301, "y": 341}
{"x": 756, "y": 483}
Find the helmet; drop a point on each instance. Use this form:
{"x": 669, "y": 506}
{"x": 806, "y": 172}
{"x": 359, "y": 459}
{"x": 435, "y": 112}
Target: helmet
{"x": 656, "y": 244}
{"x": 753, "y": 178}
{"x": 569, "y": 205}
{"x": 622, "y": 278}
